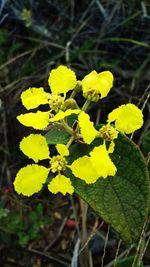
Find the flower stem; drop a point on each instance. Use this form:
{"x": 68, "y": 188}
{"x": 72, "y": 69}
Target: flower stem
{"x": 73, "y": 94}
{"x": 85, "y": 106}
{"x": 67, "y": 127}
{"x": 70, "y": 141}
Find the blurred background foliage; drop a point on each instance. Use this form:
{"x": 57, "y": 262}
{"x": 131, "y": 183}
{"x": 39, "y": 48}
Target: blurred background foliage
{"x": 36, "y": 36}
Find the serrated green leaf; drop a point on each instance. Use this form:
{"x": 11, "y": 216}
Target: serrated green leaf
{"x": 121, "y": 200}
{"x": 57, "y": 136}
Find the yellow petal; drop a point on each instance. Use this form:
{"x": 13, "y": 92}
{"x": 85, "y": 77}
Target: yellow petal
{"x": 111, "y": 147}
{"x": 62, "y": 80}
{"x": 62, "y": 150}
{"x": 38, "y": 120}
{"x": 102, "y": 162}
{"x": 83, "y": 168}
{"x": 30, "y": 179}
{"x": 35, "y": 147}
{"x": 128, "y": 118}
{"x": 90, "y": 82}
{"x": 62, "y": 114}
{"x": 106, "y": 82}
{"x": 99, "y": 83}
{"x": 33, "y": 97}
{"x": 61, "y": 184}
{"x": 88, "y": 131}
{"x": 107, "y": 75}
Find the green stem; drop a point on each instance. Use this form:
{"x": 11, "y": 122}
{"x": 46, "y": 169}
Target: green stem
{"x": 73, "y": 94}
{"x": 70, "y": 141}
{"x": 85, "y": 106}
{"x": 67, "y": 127}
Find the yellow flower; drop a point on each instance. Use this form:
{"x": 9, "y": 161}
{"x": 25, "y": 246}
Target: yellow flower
{"x": 56, "y": 102}
{"x": 128, "y": 118}
{"x": 97, "y": 85}
{"x": 58, "y": 163}
{"x": 61, "y": 184}
{"x": 35, "y": 147}
{"x": 62, "y": 80}
{"x": 96, "y": 166}
{"x": 62, "y": 114}
{"x": 87, "y": 129}
{"x": 38, "y": 120}
{"x": 30, "y": 179}
{"x": 108, "y": 132}
{"x": 33, "y": 97}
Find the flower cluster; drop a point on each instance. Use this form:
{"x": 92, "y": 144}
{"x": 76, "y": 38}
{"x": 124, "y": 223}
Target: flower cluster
{"x": 30, "y": 179}
{"x": 97, "y": 164}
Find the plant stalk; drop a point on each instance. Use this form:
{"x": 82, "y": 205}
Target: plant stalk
{"x": 85, "y": 257}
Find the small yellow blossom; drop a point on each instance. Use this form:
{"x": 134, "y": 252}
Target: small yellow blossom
{"x": 33, "y": 97}
{"x": 30, "y": 179}
{"x": 35, "y": 147}
{"x": 62, "y": 114}
{"x": 58, "y": 163}
{"x": 38, "y": 120}
{"x": 61, "y": 184}
{"x": 62, "y": 80}
{"x": 128, "y": 118}
{"x": 62, "y": 150}
{"x": 108, "y": 132}
{"x": 96, "y": 166}
{"x": 56, "y": 102}
{"x": 97, "y": 85}
{"x": 87, "y": 129}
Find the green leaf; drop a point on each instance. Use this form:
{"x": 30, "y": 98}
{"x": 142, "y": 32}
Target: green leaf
{"x": 127, "y": 262}
{"x": 57, "y": 136}
{"x": 71, "y": 119}
{"x": 23, "y": 239}
{"x": 121, "y": 200}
